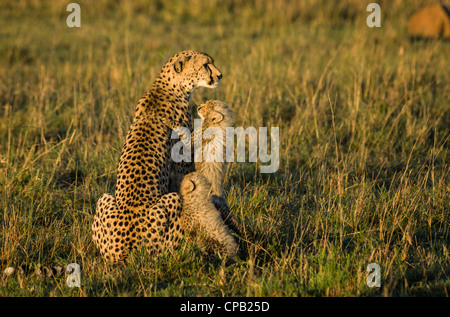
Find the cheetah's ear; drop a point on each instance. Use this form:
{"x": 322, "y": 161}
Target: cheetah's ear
{"x": 179, "y": 63}
{"x": 216, "y": 117}
{"x": 190, "y": 186}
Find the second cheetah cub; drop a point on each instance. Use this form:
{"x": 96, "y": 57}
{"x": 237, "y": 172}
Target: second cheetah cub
{"x": 201, "y": 219}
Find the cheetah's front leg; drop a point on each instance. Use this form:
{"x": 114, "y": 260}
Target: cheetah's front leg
{"x": 177, "y": 170}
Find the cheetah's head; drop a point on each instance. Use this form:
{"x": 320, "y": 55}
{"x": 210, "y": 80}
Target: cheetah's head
{"x": 195, "y": 185}
{"x": 215, "y": 112}
{"x": 190, "y": 70}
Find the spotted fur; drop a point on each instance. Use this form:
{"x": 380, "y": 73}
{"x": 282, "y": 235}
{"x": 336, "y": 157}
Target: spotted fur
{"x": 142, "y": 208}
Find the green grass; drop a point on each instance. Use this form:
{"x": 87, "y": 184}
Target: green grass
{"x": 364, "y": 117}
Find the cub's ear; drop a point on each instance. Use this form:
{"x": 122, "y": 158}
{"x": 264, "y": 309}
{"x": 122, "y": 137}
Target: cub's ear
{"x": 179, "y": 63}
{"x": 216, "y": 117}
{"x": 190, "y": 186}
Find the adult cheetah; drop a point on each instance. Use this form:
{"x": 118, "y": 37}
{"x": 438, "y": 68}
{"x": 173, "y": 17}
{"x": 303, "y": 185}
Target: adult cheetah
{"x": 142, "y": 207}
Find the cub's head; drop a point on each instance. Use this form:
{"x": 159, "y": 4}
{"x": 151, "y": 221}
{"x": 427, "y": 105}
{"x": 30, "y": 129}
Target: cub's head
{"x": 195, "y": 185}
{"x": 216, "y": 112}
{"x": 191, "y": 69}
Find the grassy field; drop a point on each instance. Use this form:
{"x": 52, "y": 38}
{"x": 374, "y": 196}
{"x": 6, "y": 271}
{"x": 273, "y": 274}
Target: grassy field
{"x": 364, "y": 118}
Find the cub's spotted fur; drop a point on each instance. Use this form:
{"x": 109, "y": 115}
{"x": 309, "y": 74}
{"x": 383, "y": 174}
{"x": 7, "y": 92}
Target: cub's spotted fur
{"x": 201, "y": 220}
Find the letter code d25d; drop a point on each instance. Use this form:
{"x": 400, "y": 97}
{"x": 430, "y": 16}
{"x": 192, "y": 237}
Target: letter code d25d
{"x": 246, "y": 306}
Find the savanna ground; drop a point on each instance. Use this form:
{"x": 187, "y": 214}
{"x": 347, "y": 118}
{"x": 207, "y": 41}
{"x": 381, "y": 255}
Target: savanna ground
{"x": 364, "y": 122}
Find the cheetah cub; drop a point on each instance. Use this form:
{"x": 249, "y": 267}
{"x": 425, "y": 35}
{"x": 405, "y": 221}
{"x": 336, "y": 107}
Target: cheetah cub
{"x": 216, "y": 114}
{"x": 201, "y": 220}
